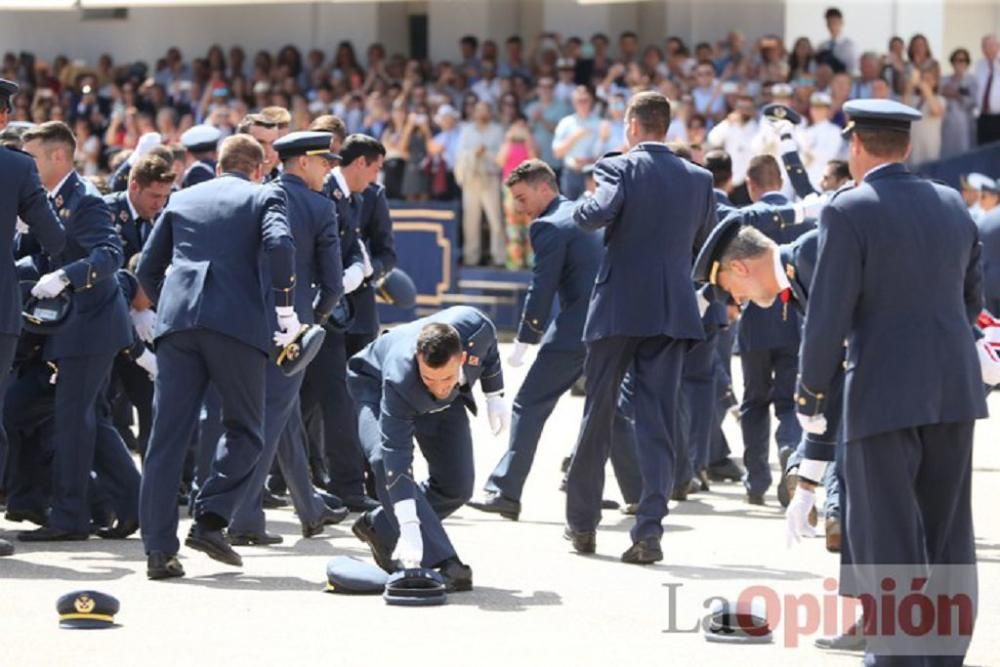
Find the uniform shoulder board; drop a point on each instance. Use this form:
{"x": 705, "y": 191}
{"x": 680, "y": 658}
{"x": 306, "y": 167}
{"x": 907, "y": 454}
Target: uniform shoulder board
{"x": 611, "y": 154}
{"x": 849, "y": 185}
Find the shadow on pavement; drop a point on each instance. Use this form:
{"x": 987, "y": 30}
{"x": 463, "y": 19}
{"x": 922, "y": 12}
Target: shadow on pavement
{"x": 502, "y": 599}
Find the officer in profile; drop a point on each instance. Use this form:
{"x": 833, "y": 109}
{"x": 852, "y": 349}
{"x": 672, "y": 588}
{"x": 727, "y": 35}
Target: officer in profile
{"x": 213, "y": 326}
{"x": 201, "y": 142}
{"x": 23, "y": 207}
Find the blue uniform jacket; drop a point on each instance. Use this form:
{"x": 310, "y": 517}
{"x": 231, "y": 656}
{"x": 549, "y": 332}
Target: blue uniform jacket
{"x": 119, "y": 179}
{"x": 989, "y": 234}
{"x": 213, "y": 237}
{"x": 898, "y": 276}
{"x": 566, "y": 262}
{"x": 777, "y": 326}
{"x": 386, "y": 373}
{"x": 797, "y": 175}
{"x": 319, "y": 275}
{"x": 348, "y": 211}
{"x": 374, "y": 227}
{"x": 99, "y": 322}
{"x": 22, "y": 196}
{"x": 657, "y": 210}
{"x": 131, "y": 232}
{"x": 199, "y": 172}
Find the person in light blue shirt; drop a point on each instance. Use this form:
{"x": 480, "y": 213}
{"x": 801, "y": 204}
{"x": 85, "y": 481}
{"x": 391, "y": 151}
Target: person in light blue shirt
{"x": 577, "y": 142}
{"x": 544, "y": 115}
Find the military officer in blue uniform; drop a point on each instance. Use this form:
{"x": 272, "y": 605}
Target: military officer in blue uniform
{"x": 989, "y": 234}
{"x": 120, "y": 178}
{"x": 201, "y": 141}
{"x": 213, "y": 326}
{"x": 84, "y": 349}
{"x": 133, "y": 211}
{"x": 650, "y": 255}
{"x": 768, "y": 340}
{"x": 566, "y": 262}
{"x": 898, "y": 277}
{"x": 415, "y": 382}
{"x": 306, "y": 159}
{"x": 22, "y": 198}
{"x": 325, "y": 386}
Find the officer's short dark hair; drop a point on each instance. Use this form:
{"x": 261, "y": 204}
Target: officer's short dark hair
{"x": 764, "y": 172}
{"x": 841, "y": 170}
{"x": 470, "y": 40}
{"x": 833, "y": 13}
{"x": 652, "y": 110}
{"x": 177, "y": 151}
{"x": 748, "y": 243}
{"x": 438, "y": 343}
{"x": 52, "y": 132}
{"x": 241, "y": 153}
{"x": 163, "y": 152}
{"x": 151, "y": 169}
{"x": 329, "y": 123}
{"x": 361, "y": 145}
{"x": 884, "y": 143}
{"x": 533, "y": 173}
{"x": 721, "y": 165}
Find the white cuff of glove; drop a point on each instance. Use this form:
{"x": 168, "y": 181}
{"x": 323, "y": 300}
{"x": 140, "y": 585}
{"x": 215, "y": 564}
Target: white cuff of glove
{"x": 516, "y": 357}
{"x": 788, "y": 145}
{"x": 284, "y": 311}
{"x": 406, "y": 511}
{"x": 366, "y": 264}
{"x": 815, "y": 425}
{"x": 812, "y": 470}
{"x": 354, "y": 275}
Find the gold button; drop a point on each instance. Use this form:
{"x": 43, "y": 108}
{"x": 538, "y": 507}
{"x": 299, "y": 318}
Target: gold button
{"x": 819, "y": 397}
{"x": 802, "y": 401}
{"x": 777, "y": 218}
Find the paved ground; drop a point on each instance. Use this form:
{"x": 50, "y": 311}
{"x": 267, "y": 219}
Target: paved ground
{"x": 535, "y": 602}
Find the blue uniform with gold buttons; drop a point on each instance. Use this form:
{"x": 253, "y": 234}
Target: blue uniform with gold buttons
{"x": 395, "y": 407}
{"x": 319, "y": 286}
{"x": 898, "y": 277}
{"x": 213, "y": 325}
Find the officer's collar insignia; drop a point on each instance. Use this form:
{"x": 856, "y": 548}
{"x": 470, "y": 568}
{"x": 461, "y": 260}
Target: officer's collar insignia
{"x": 64, "y": 213}
{"x": 84, "y": 604}
{"x": 713, "y": 276}
{"x": 473, "y": 360}
{"x": 58, "y": 201}
{"x": 790, "y": 271}
{"x": 337, "y": 194}
{"x": 123, "y": 216}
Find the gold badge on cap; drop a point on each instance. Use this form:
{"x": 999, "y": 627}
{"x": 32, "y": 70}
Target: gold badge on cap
{"x": 64, "y": 213}
{"x": 84, "y": 604}
{"x": 780, "y": 112}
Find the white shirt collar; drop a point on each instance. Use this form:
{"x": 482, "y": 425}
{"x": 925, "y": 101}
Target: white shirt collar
{"x": 875, "y": 169}
{"x": 53, "y": 192}
{"x": 338, "y": 175}
{"x": 131, "y": 208}
{"x": 779, "y": 270}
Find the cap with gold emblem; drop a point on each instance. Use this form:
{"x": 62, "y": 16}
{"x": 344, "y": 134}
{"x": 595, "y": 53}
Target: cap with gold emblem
{"x": 879, "y": 115}
{"x": 87, "y": 610}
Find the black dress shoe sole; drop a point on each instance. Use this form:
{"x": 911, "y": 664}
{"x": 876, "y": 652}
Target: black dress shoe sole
{"x": 166, "y": 572}
{"x": 644, "y": 557}
{"x": 17, "y": 516}
{"x": 239, "y": 540}
{"x": 333, "y": 517}
{"x": 213, "y": 551}
{"x": 493, "y": 509}
{"x": 459, "y": 585}
{"x": 52, "y": 537}
{"x": 582, "y": 545}
{"x": 119, "y": 531}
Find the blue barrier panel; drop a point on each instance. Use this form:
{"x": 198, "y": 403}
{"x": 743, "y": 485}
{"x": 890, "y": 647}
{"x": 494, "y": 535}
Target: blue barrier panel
{"x": 985, "y": 160}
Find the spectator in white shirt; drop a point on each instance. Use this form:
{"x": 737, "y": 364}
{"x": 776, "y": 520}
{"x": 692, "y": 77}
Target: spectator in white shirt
{"x": 734, "y": 135}
{"x": 839, "y": 46}
{"x": 821, "y": 141}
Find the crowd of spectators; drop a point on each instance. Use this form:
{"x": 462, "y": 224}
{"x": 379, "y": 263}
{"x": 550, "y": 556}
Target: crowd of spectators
{"x": 454, "y": 129}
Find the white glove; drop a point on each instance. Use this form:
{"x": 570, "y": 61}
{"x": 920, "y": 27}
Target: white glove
{"x": 703, "y": 303}
{"x": 144, "y": 322}
{"x": 146, "y": 143}
{"x": 815, "y": 424}
{"x": 409, "y": 549}
{"x": 21, "y": 227}
{"x": 797, "y": 516}
{"x": 498, "y": 412}
{"x": 516, "y": 357}
{"x": 989, "y": 360}
{"x": 50, "y": 285}
{"x": 366, "y": 260}
{"x": 354, "y": 275}
{"x": 809, "y": 207}
{"x": 288, "y": 326}
{"x": 147, "y": 362}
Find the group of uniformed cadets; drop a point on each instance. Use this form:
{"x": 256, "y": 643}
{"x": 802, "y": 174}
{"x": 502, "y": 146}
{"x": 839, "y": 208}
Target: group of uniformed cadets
{"x": 656, "y": 367}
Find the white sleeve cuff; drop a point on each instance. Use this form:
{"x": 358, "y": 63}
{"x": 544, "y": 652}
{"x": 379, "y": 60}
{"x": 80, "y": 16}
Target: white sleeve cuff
{"x": 812, "y": 470}
{"x": 406, "y": 511}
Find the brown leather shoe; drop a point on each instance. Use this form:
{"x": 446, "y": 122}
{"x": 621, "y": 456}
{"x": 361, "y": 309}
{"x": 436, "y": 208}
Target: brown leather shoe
{"x": 833, "y": 535}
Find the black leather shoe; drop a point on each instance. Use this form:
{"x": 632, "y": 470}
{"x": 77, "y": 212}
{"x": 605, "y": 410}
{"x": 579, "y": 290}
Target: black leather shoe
{"x": 273, "y": 502}
{"x": 755, "y": 498}
{"x": 609, "y": 504}
{"x": 37, "y": 518}
{"x": 45, "y": 534}
{"x": 161, "y": 566}
{"x": 584, "y": 542}
{"x": 787, "y": 482}
{"x": 694, "y": 486}
{"x": 703, "y": 480}
{"x": 329, "y": 517}
{"x": 214, "y": 544}
{"x": 120, "y": 531}
{"x": 361, "y": 503}
{"x": 254, "y": 540}
{"x": 331, "y": 500}
{"x": 494, "y": 503}
{"x": 457, "y": 575}
{"x": 725, "y": 471}
{"x": 6, "y": 548}
{"x": 680, "y": 493}
{"x": 644, "y": 552}
{"x": 365, "y": 532}
{"x": 852, "y": 639}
